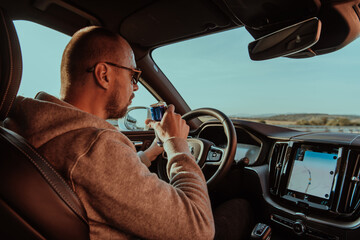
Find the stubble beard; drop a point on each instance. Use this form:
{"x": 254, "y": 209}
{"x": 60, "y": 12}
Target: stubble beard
{"x": 113, "y": 109}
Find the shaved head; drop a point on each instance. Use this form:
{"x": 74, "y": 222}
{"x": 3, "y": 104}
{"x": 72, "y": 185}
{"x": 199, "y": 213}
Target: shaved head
{"x": 87, "y": 47}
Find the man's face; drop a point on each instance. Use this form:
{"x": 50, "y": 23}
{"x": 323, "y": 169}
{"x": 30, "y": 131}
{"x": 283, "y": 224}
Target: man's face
{"x": 122, "y": 89}
{"x": 120, "y": 99}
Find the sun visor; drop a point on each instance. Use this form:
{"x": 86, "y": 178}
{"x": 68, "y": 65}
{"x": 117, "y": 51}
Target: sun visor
{"x": 63, "y": 16}
{"x": 260, "y": 14}
{"x": 165, "y": 21}
{"x": 341, "y": 26}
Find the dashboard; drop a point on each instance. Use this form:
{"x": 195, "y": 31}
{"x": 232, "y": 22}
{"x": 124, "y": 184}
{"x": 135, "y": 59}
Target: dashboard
{"x": 248, "y": 146}
{"x": 248, "y": 151}
{"x": 306, "y": 185}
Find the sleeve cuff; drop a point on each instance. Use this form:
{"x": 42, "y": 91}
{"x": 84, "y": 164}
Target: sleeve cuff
{"x": 176, "y": 145}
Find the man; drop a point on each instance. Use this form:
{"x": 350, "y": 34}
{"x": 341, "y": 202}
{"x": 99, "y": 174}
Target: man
{"x": 121, "y": 197}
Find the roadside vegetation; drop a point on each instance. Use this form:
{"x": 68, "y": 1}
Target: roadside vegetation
{"x": 341, "y": 121}
{"x": 310, "y": 119}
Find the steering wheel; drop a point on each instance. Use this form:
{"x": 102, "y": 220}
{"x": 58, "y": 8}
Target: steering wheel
{"x": 205, "y": 151}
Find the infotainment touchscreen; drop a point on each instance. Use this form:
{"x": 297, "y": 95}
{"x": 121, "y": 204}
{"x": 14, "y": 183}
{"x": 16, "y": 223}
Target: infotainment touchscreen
{"x": 312, "y": 173}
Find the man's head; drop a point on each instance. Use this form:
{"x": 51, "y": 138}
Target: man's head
{"x": 96, "y": 73}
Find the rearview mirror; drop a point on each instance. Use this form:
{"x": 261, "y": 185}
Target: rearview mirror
{"x": 286, "y": 41}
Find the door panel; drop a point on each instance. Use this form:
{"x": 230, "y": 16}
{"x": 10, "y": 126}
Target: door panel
{"x": 141, "y": 139}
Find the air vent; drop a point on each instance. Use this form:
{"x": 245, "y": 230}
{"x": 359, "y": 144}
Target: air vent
{"x": 276, "y": 166}
{"x": 350, "y": 194}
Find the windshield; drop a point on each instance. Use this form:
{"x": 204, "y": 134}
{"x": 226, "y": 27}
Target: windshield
{"x": 216, "y": 71}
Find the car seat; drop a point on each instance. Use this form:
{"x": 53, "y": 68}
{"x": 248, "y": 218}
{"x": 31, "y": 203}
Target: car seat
{"x": 35, "y": 202}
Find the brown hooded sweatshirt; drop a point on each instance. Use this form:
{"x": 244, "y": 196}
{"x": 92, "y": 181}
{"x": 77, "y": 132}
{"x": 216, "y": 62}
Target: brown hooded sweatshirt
{"x": 122, "y": 198}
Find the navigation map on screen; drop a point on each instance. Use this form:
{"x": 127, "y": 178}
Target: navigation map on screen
{"x": 313, "y": 173}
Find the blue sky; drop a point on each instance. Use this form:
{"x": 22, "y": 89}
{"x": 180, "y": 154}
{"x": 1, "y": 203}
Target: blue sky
{"x": 215, "y": 71}
{"x": 219, "y": 68}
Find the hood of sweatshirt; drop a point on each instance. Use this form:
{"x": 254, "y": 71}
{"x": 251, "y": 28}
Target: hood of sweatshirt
{"x": 41, "y": 119}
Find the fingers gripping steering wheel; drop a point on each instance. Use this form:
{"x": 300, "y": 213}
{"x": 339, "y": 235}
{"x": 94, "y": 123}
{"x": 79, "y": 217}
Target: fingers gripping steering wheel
{"x": 205, "y": 152}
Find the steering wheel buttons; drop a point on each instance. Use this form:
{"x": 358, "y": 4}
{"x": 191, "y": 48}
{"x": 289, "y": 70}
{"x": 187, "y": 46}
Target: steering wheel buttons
{"x": 214, "y": 155}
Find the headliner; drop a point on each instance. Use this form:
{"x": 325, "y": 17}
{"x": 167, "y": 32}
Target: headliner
{"x": 145, "y": 23}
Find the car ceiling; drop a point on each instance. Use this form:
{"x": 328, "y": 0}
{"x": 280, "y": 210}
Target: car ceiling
{"x": 147, "y": 24}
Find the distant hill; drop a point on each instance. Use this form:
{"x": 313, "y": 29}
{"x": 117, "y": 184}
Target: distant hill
{"x": 310, "y": 119}
{"x": 307, "y": 116}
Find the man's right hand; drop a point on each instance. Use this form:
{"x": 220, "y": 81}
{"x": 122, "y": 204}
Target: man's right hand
{"x": 171, "y": 125}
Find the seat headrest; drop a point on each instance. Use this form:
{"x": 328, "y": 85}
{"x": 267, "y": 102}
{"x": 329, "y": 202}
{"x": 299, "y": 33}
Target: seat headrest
{"x": 10, "y": 64}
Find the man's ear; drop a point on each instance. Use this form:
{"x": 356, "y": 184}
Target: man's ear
{"x": 101, "y": 73}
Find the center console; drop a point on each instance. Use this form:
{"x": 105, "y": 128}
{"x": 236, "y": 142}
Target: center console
{"x": 317, "y": 188}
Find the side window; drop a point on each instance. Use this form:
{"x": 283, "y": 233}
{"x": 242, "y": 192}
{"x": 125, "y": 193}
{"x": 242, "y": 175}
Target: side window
{"x": 42, "y": 50}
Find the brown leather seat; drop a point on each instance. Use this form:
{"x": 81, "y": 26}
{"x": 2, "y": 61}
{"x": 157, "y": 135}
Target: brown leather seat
{"x": 35, "y": 202}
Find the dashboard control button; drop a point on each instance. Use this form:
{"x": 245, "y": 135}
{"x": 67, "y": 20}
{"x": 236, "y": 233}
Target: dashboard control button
{"x": 299, "y": 227}
{"x": 214, "y": 155}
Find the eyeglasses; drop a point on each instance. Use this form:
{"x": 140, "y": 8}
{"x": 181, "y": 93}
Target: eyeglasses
{"x": 134, "y": 78}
